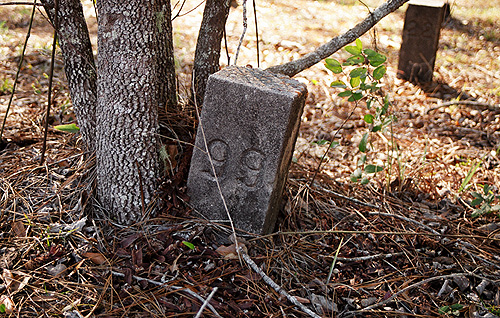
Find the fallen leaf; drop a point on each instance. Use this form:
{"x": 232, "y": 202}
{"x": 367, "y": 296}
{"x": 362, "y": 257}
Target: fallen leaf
{"x": 19, "y": 229}
{"x": 96, "y": 258}
{"x": 7, "y": 304}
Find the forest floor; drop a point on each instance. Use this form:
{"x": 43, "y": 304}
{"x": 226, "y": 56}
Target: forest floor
{"x": 406, "y": 244}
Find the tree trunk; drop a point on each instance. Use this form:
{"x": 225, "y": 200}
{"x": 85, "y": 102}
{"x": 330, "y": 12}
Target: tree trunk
{"x": 79, "y": 63}
{"x": 131, "y": 83}
{"x": 208, "y": 45}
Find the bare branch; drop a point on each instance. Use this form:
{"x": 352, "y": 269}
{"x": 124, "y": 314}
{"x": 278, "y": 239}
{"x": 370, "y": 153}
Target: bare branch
{"x": 294, "y": 67}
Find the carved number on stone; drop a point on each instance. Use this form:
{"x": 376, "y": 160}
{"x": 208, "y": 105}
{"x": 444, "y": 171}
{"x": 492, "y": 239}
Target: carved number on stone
{"x": 219, "y": 152}
{"x": 251, "y": 162}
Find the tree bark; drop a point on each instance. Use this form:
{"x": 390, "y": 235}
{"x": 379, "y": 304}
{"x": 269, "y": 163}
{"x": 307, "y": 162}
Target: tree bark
{"x": 294, "y": 67}
{"x": 208, "y": 45}
{"x": 79, "y": 64}
{"x": 131, "y": 83}
{"x": 166, "y": 65}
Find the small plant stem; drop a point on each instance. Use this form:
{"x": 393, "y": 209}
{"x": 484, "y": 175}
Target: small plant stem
{"x": 18, "y": 68}
{"x": 245, "y": 25}
{"x": 256, "y": 33}
{"x": 330, "y": 144}
{"x": 334, "y": 261}
{"x": 51, "y": 77}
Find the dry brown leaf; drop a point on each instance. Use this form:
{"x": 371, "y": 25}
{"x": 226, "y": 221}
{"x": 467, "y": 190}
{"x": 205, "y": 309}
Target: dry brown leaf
{"x": 7, "y": 277}
{"x": 96, "y": 258}
{"x": 15, "y": 280}
{"x": 19, "y": 229}
{"x": 229, "y": 252}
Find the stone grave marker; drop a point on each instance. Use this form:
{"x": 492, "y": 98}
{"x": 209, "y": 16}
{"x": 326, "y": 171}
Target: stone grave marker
{"x": 420, "y": 40}
{"x": 250, "y": 122}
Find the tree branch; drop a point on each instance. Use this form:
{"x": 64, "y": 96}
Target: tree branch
{"x": 294, "y": 67}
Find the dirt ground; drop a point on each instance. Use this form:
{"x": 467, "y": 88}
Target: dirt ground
{"x": 406, "y": 244}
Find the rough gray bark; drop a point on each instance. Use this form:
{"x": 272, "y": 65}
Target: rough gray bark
{"x": 166, "y": 65}
{"x": 130, "y": 85}
{"x": 79, "y": 63}
{"x": 294, "y": 67}
{"x": 208, "y": 45}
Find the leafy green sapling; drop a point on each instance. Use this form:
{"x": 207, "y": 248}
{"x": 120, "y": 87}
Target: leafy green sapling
{"x": 365, "y": 69}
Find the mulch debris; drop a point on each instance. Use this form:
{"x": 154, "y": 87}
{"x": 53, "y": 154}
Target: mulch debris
{"x": 404, "y": 245}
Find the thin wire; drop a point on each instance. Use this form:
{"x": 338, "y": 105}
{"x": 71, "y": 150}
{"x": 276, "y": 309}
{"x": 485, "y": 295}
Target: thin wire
{"x": 18, "y": 68}
{"x": 51, "y": 77}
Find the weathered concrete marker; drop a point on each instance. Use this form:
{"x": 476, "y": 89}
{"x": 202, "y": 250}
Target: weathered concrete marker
{"x": 420, "y": 40}
{"x": 250, "y": 119}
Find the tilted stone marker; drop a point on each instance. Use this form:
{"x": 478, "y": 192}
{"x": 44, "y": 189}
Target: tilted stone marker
{"x": 420, "y": 40}
{"x": 250, "y": 120}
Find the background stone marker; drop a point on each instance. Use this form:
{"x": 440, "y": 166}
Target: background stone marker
{"x": 420, "y": 40}
{"x": 250, "y": 119}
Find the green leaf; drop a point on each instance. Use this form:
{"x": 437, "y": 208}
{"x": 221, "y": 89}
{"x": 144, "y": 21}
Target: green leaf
{"x": 368, "y": 118}
{"x": 443, "y": 310}
{"x": 355, "y": 81}
{"x": 376, "y": 59}
{"x": 369, "y": 52}
{"x": 469, "y": 176}
{"x": 354, "y": 50}
{"x": 476, "y": 201}
{"x": 320, "y": 142}
{"x": 334, "y": 144}
{"x": 369, "y": 103}
{"x": 495, "y": 208}
{"x": 345, "y": 93}
{"x": 339, "y": 84}
{"x": 363, "y": 143}
{"x": 356, "y": 175}
{"x": 373, "y": 169}
{"x": 358, "y": 72}
{"x": 457, "y": 307}
{"x": 486, "y": 189}
{"x": 188, "y": 244}
{"x": 355, "y": 96}
{"x": 333, "y": 65}
{"x": 72, "y": 128}
{"x": 2, "y": 308}
{"x": 358, "y": 59}
{"x": 359, "y": 45}
{"x": 379, "y": 72}
{"x": 365, "y": 180}
{"x": 376, "y": 128}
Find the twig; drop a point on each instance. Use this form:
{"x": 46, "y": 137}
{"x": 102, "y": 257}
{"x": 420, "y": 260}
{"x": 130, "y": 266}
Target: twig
{"x": 181, "y": 289}
{"x": 256, "y": 33}
{"x": 465, "y": 102}
{"x": 294, "y": 67}
{"x": 205, "y": 303}
{"x": 374, "y": 233}
{"x": 18, "y": 69}
{"x": 370, "y": 257}
{"x": 347, "y": 198}
{"x": 245, "y": 25}
{"x": 20, "y": 4}
{"x": 275, "y": 286}
{"x": 51, "y": 78}
{"x": 405, "y": 219}
{"x": 384, "y": 302}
